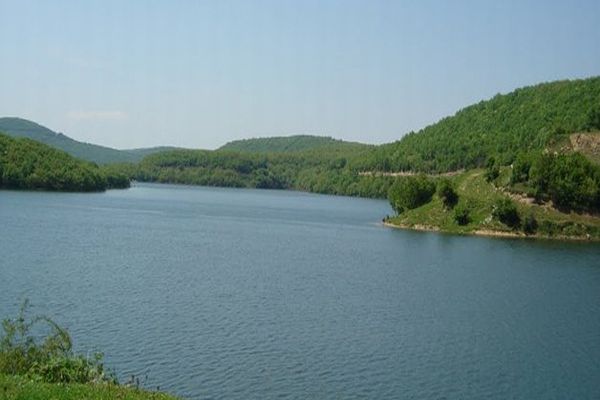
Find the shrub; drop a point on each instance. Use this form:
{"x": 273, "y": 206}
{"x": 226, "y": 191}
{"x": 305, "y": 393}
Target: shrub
{"x": 492, "y": 171}
{"x": 410, "y": 192}
{"x": 446, "y": 192}
{"x": 520, "y": 168}
{"x": 49, "y": 359}
{"x": 506, "y": 212}
{"x": 530, "y": 224}
{"x": 462, "y": 214}
{"x": 70, "y": 369}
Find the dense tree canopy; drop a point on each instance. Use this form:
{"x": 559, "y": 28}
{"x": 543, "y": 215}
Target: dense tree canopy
{"x": 290, "y": 144}
{"x": 27, "y": 164}
{"x": 523, "y": 120}
{"x": 320, "y": 170}
{"x": 571, "y": 181}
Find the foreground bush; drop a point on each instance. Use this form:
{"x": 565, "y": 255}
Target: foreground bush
{"x": 49, "y": 359}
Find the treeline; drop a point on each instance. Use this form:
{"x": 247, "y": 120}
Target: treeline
{"x": 27, "y": 164}
{"x": 512, "y": 129}
{"x": 317, "y": 170}
{"x": 524, "y": 120}
{"x": 285, "y": 144}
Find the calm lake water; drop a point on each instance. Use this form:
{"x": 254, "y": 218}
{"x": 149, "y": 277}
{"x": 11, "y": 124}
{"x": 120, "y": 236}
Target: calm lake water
{"x": 248, "y": 294}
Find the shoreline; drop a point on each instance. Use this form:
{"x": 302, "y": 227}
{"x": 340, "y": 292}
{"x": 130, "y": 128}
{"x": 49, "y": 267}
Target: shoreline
{"x": 490, "y": 233}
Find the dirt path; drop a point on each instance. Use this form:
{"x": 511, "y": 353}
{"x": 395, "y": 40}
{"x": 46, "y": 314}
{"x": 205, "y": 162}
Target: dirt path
{"x": 409, "y": 173}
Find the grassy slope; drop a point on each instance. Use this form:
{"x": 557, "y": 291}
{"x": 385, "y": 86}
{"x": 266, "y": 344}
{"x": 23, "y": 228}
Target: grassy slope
{"x": 472, "y": 188}
{"x": 288, "y": 144}
{"x": 18, "y": 127}
{"x": 21, "y": 388}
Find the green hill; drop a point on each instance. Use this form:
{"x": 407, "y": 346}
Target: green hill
{"x": 289, "y": 144}
{"x": 27, "y": 164}
{"x": 18, "y": 127}
{"x": 526, "y": 119}
{"x": 321, "y": 170}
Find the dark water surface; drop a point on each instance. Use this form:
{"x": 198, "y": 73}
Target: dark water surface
{"x": 246, "y": 294}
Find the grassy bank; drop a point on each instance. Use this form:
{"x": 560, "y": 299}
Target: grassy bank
{"x": 21, "y": 388}
{"x": 37, "y": 362}
{"x": 479, "y": 197}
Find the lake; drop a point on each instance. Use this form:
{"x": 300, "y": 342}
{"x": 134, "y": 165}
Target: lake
{"x": 247, "y": 294}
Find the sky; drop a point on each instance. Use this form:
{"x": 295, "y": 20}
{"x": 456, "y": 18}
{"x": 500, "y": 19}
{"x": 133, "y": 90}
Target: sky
{"x": 198, "y": 74}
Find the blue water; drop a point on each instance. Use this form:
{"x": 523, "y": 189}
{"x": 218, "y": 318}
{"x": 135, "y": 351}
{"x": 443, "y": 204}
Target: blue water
{"x": 249, "y": 294}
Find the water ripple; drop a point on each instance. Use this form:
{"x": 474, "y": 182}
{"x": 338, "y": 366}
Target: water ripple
{"x": 221, "y": 294}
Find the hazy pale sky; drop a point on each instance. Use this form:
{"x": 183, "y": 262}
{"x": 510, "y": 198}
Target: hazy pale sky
{"x": 200, "y": 73}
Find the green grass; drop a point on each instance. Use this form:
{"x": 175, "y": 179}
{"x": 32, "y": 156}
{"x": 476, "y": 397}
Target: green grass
{"x": 21, "y": 388}
{"x": 480, "y": 195}
{"x": 34, "y": 366}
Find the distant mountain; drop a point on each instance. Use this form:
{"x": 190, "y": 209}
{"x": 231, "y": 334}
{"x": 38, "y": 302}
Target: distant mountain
{"x": 18, "y": 127}
{"x": 289, "y": 144}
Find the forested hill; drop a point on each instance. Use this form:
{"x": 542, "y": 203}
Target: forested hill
{"x": 321, "y": 170}
{"x": 18, "y": 127}
{"x": 526, "y": 119}
{"x": 290, "y": 144}
{"x": 27, "y": 164}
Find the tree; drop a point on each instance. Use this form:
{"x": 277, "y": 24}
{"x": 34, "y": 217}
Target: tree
{"x": 410, "y": 192}
{"x": 530, "y": 224}
{"x": 492, "y": 171}
{"x": 446, "y": 192}
{"x": 462, "y": 214}
{"x": 571, "y": 181}
{"x": 520, "y": 168}
{"x": 506, "y": 212}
